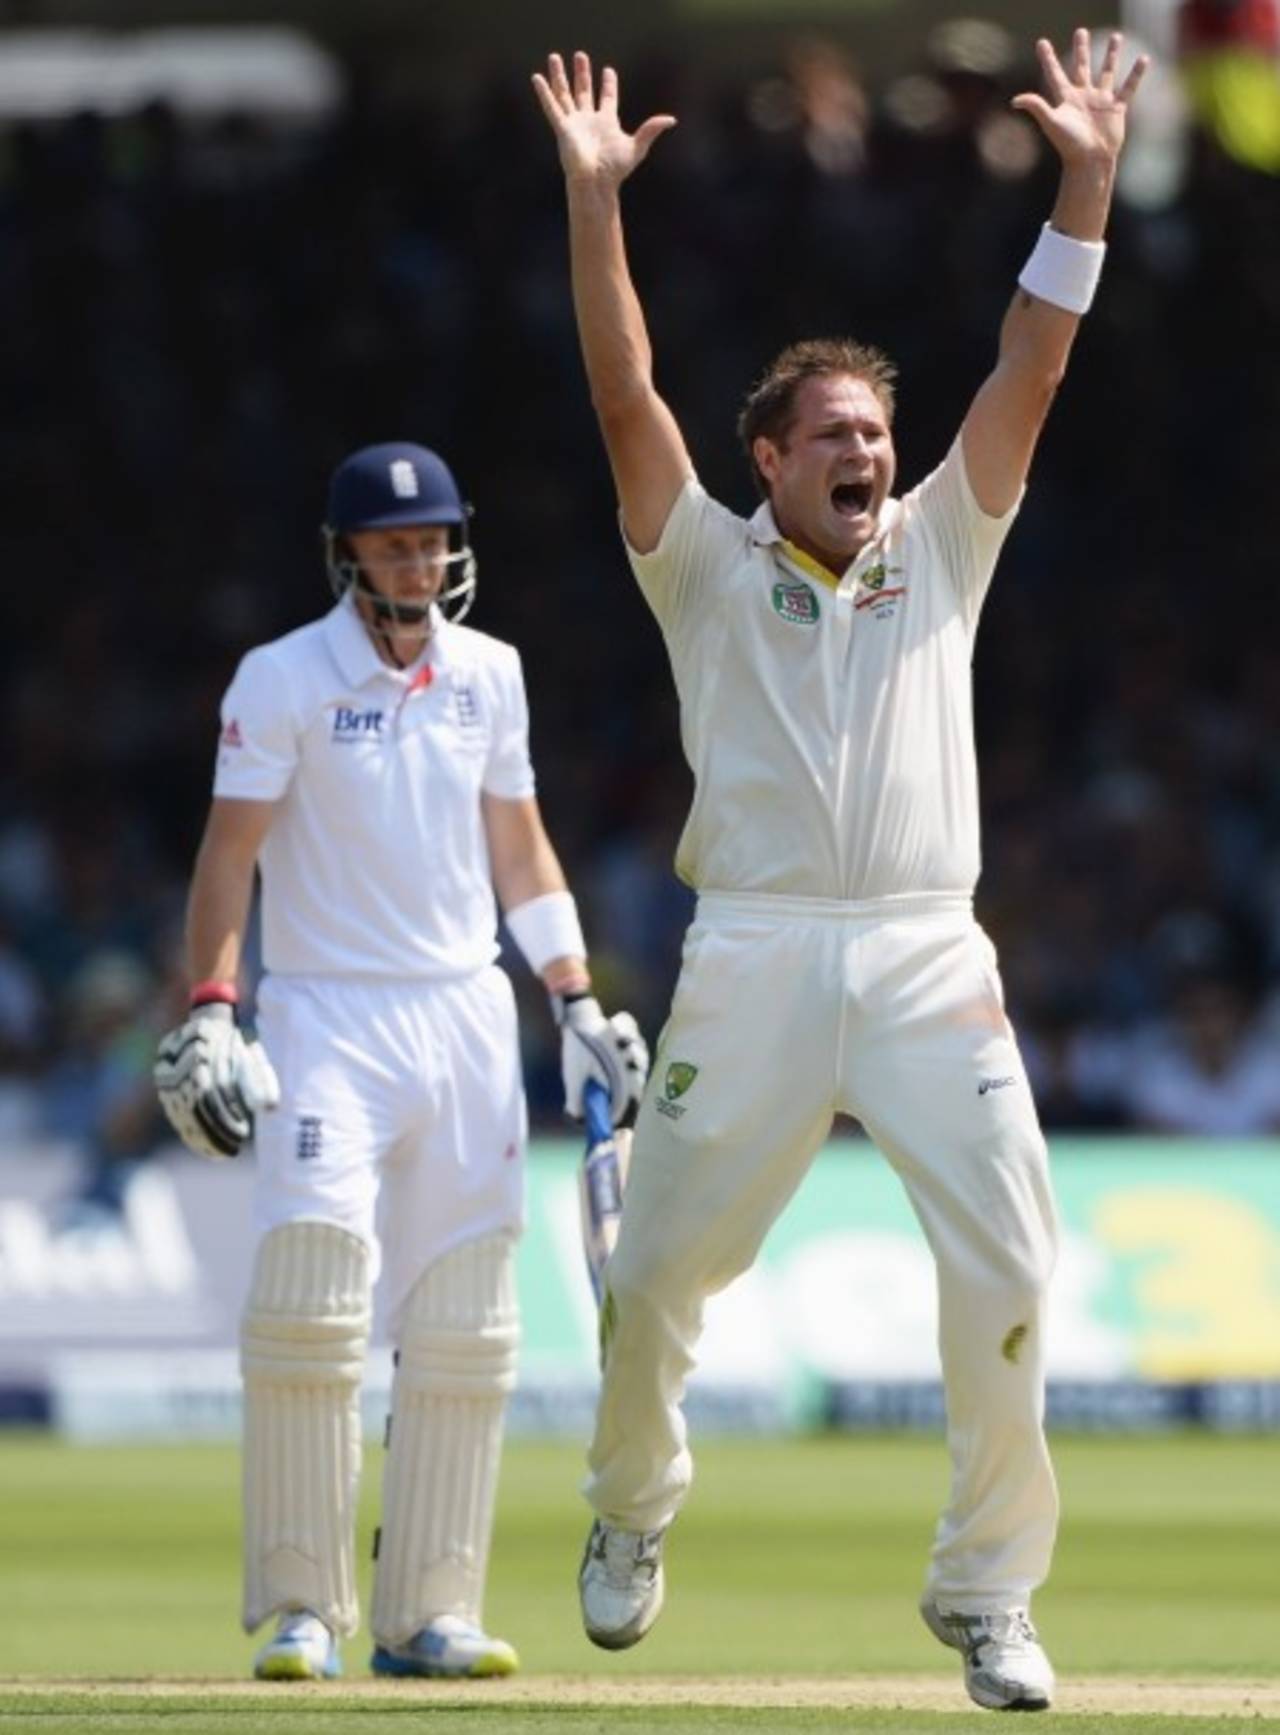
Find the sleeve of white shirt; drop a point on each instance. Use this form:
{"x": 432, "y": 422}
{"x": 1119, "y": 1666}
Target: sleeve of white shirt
{"x": 258, "y": 748}
{"x": 702, "y": 543}
{"x": 508, "y": 771}
{"x": 966, "y": 540}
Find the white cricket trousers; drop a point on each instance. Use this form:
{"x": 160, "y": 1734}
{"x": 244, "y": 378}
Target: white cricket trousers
{"x": 401, "y": 1118}
{"x": 788, "y": 1010}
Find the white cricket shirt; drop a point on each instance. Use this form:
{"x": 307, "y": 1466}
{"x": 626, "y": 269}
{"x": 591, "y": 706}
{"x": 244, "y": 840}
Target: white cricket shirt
{"x": 829, "y": 724}
{"x": 376, "y": 863}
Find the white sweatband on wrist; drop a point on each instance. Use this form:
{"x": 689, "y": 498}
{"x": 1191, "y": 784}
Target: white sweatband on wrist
{"x": 1063, "y": 271}
{"x": 547, "y": 928}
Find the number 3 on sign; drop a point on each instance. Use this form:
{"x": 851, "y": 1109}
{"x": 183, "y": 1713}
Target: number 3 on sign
{"x": 1207, "y": 1285}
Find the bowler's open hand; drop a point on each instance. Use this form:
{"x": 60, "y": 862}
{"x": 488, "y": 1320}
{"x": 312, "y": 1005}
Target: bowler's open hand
{"x": 591, "y": 139}
{"x": 1085, "y": 121}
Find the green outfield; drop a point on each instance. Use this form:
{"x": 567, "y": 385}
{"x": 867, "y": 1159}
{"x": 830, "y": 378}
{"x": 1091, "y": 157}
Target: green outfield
{"x": 797, "y": 1559}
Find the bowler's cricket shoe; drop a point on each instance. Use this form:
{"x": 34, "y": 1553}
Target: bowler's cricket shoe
{"x": 621, "y": 1585}
{"x": 448, "y": 1647}
{"x": 303, "y": 1649}
{"x": 1005, "y": 1668}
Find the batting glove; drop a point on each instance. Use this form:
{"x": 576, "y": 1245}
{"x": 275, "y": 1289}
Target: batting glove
{"x": 610, "y": 1050}
{"x": 211, "y": 1081}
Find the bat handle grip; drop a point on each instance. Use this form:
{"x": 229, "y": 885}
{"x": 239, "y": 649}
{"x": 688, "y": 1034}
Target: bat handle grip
{"x": 596, "y": 1112}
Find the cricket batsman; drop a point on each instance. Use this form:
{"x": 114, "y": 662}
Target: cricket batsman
{"x": 374, "y": 765}
{"x": 821, "y": 651}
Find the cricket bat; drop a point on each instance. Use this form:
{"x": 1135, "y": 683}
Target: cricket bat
{"x": 601, "y": 1179}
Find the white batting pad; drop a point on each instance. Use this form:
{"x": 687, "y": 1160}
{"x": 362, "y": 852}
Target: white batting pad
{"x": 459, "y": 1341}
{"x": 302, "y": 1350}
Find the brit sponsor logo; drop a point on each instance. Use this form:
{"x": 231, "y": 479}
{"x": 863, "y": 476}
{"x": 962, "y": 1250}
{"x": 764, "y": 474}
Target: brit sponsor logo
{"x": 310, "y": 1137}
{"x": 350, "y": 724}
{"x": 796, "y": 602}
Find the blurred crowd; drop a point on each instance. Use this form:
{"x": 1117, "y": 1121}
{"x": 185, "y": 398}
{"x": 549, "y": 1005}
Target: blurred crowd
{"x": 196, "y": 323}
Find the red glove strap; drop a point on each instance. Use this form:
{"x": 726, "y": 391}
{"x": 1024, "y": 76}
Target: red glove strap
{"x": 206, "y": 993}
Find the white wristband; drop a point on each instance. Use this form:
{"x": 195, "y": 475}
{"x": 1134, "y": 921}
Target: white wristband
{"x": 547, "y": 928}
{"x": 1063, "y": 271}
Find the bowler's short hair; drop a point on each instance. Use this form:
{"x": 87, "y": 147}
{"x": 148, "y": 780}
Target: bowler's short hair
{"x": 770, "y": 406}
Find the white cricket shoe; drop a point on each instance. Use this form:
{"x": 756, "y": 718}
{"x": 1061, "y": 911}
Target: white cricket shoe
{"x": 621, "y": 1584}
{"x": 1005, "y": 1668}
{"x": 447, "y": 1646}
{"x": 303, "y": 1649}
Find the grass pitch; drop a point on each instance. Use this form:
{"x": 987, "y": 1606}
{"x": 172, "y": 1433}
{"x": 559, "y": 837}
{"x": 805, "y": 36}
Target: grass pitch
{"x": 799, "y": 1560}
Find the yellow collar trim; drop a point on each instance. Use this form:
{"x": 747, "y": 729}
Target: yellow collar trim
{"x": 808, "y": 564}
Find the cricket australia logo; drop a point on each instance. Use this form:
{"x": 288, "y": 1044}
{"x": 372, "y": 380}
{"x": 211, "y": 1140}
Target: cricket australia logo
{"x": 794, "y": 601}
{"x": 878, "y": 594}
{"x": 680, "y": 1076}
{"x": 1011, "y": 1348}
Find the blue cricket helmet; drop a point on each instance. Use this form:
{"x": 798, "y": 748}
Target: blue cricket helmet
{"x": 395, "y": 483}
{"x": 398, "y": 483}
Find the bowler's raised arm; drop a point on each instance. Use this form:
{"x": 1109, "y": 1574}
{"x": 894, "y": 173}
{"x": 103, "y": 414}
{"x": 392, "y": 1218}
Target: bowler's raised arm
{"x": 1084, "y": 121}
{"x": 646, "y": 449}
